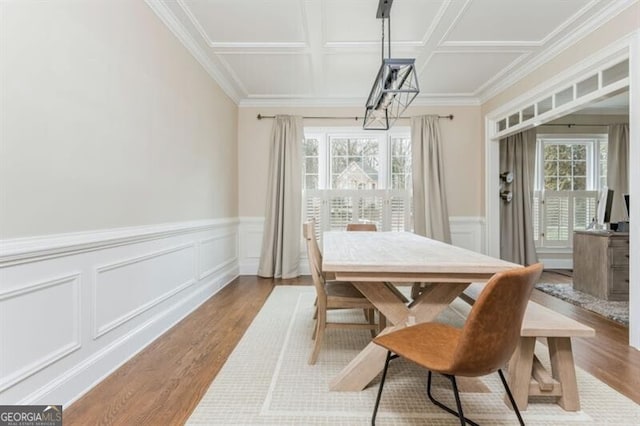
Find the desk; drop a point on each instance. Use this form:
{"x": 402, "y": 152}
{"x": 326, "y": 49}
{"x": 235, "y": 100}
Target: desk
{"x": 368, "y": 259}
{"x": 601, "y": 264}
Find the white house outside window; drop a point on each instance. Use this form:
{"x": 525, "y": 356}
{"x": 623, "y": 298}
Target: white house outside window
{"x": 570, "y": 170}
{"x": 352, "y": 175}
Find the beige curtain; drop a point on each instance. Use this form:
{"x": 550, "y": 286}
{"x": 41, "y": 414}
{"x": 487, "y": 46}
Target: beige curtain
{"x": 280, "y": 256}
{"x": 518, "y": 155}
{"x": 430, "y": 212}
{"x": 618, "y": 169}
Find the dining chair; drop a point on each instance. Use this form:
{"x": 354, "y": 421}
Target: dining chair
{"x": 368, "y": 227}
{"x": 482, "y": 346}
{"x": 333, "y": 295}
{"x": 371, "y": 227}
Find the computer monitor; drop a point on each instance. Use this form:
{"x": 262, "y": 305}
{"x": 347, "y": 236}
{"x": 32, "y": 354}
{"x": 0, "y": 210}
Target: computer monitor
{"x": 605, "y": 201}
{"x": 626, "y": 202}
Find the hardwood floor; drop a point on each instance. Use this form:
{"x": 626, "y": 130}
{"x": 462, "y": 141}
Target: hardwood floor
{"x": 164, "y": 382}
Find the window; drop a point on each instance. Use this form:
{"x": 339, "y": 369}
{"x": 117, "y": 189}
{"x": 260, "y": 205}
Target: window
{"x": 569, "y": 173}
{"x": 357, "y": 176}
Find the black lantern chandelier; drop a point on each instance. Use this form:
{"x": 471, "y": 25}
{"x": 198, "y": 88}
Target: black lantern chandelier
{"x": 395, "y": 86}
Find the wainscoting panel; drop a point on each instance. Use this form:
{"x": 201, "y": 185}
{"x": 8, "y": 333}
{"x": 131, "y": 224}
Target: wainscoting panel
{"x": 250, "y": 231}
{"x": 52, "y": 308}
{"x": 216, "y": 253}
{"x": 466, "y": 232}
{"x": 75, "y": 307}
{"x": 145, "y": 281}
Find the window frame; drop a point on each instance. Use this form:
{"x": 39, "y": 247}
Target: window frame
{"x": 324, "y": 192}
{"x": 324, "y": 135}
{"x": 593, "y": 142}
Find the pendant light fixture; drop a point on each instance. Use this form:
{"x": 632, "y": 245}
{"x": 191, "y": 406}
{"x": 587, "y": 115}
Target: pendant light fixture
{"x": 395, "y": 86}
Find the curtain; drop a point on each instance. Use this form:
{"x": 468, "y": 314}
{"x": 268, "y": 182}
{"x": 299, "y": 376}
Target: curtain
{"x": 430, "y": 212}
{"x": 618, "y": 169}
{"x": 518, "y": 155}
{"x": 280, "y": 256}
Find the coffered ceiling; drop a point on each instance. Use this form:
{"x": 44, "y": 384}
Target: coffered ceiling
{"x": 327, "y": 52}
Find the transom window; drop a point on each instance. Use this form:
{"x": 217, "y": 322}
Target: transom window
{"x": 355, "y": 176}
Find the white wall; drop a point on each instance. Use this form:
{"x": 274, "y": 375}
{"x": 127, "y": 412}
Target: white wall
{"x": 118, "y": 191}
{"x": 74, "y": 307}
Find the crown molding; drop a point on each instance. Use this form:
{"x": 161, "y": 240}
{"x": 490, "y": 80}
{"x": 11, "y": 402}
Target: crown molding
{"x": 610, "y": 11}
{"x": 426, "y": 101}
{"x": 170, "y": 21}
{"x": 611, "y": 54}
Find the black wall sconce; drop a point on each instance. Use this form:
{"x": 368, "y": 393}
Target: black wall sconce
{"x": 506, "y": 196}
{"x": 506, "y": 177}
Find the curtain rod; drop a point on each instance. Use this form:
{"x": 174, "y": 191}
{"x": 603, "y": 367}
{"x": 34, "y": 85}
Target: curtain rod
{"x": 260, "y": 117}
{"x": 570, "y": 125}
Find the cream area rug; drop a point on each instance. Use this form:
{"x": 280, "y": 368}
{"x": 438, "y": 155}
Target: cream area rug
{"x": 267, "y": 380}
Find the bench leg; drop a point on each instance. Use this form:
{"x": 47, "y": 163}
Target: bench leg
{"x": 520, "y": 367}
{"x": 564, "y": 371}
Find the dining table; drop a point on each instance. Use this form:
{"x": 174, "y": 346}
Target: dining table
{"x": 371, "y": 259}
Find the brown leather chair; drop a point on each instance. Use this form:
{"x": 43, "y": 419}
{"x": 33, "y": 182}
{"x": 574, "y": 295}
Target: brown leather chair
{"x": 482, "y": 346}
{"x": 332, "y": 295}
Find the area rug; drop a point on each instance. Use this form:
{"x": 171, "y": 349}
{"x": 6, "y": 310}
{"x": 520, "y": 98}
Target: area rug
{"x": 616, "y": 311}
{"x": 267, "y": 380}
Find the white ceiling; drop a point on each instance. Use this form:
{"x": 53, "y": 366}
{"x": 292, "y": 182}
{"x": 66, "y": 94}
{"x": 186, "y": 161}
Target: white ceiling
{"x": 327, "y": 52}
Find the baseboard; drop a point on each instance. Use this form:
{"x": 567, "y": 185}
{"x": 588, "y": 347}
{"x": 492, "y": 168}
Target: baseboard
{"x": 101, "y": 299}
{"x": 466, "y": 232}
{"x": 556, "y": 263}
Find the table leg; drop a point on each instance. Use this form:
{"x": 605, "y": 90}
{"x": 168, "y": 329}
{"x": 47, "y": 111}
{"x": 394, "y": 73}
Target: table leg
{"x": 385, "y": 300}
{"x": 563, "y": 370}
{"x": 435, "y": 299}
{"x": 368, "y": 363}
{"x": 520, "y": 367}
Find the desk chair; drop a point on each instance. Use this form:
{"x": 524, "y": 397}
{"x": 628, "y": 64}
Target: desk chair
{"x": 482, "y": 346}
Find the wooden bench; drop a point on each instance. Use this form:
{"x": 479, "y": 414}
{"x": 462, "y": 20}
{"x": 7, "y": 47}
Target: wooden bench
{"x": 527, "y": 376}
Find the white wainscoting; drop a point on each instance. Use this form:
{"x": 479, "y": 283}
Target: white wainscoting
{"x": 74, "y": 307}
{"x": 466, "y": 232}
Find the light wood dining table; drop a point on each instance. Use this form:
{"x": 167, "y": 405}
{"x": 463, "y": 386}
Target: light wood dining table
{"x": 369, "y": 259}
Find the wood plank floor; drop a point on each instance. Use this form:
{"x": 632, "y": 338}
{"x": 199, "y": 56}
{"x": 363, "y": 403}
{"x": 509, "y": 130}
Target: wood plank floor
{"x": 164, "y": 382}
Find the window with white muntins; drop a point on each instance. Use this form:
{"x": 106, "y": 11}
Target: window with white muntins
{"x": 570, "y": 170}
{"x": 356, "y": 176}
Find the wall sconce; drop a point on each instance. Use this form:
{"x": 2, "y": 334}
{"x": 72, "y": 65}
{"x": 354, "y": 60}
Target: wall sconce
{"x": 506, "y": 177}
{"x": 506, "y": 196}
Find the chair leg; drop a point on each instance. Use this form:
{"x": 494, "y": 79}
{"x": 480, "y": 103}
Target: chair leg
{"x": 513, "y": 402}
{"x": 458, "y": 402}
{"x": 372, "y": 322}
{"x": 382, "y": 322}
{"x": 321, "y": 324}
{"x": 458, "y": 413}
{"x": 315, "y": 327}
{"x": 384, "y": 376}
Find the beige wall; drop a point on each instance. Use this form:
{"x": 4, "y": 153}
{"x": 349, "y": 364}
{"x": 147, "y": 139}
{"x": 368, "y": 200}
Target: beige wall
{"x": 618, "y": 27}
{"x": 463, "y": 154}
{"x": 107, "y": 121}
{"x": 577, "y": 119}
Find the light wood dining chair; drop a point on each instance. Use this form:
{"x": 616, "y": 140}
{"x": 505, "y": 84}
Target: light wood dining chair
{"x": 366, "y": 227}
{"x": 332, "y": 295}
{"x": 482, "y": 346}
